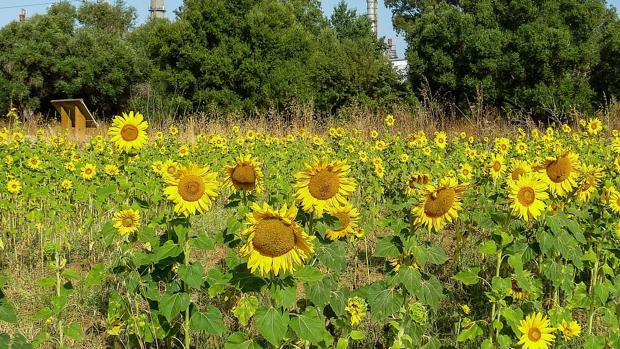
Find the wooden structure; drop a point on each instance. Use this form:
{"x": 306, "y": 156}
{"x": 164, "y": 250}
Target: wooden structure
{"x": 74, "y": 114}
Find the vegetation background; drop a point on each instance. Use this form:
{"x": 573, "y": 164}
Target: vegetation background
{"x": 543, "y": 58}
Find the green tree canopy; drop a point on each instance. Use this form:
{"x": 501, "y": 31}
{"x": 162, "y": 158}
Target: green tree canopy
{"x": 538, "y": 56}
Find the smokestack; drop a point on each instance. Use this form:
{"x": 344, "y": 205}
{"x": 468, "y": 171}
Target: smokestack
{"x": 157, "y": 9}
{"x": 22, "y": 15}
{"x": 372, "y": 14}
{"x": 391, "y": 51}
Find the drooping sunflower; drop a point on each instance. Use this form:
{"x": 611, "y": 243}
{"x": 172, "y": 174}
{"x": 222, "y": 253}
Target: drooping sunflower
{"x": 592, "y": 175}
{"x": 416, "y": 181}
{"x": 356, "y": 307}
{"x": 323, "y": 184}
{"x": 128, "y": 131}
{"x": 570, "y": 329}
{"x": 127, "y": 221}
{"x": 193, "y": 189}
{"x": 276, "y": 243}
{"x": 89, "y": 171}
{"x": 439, "y": 205}
{"x": 527, "y": 195}
{"x": 245, "y": 174}
{"x": 562, "y": 172}
{"x": 536, "y": 333}
{"x": 13, "y": 186}
{"x": 347, "y": 216}
{"x": 517, "y": 293}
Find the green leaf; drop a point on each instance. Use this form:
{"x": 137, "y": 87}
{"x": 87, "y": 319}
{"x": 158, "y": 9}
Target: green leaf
{"x": 210, "y": 321}
{"x": 357, "y": 335}
{"x": 20, "y": 342}
{"x": 74, "y": 331}
{"x": 237, "y": 341}
{"x": 431, "y": 292}
{"x": 168, "y": 249}
{"x": 204, "y": 242}
{"x": 488, "y": 247}
{"x": 7, "y": 312}
{"x": 192, "y": 274}
{"x": 468, "y": 276}
{"x": 218, "y": 281}
{"x": 283, "y": 295}
{"x": 386, "y": 248}
{"x": 171, "y": 305}
{"x": 272, "y": 325}
{"x": 410, "y": 278}
{"x": 95, "y": 275}
{"x": 43, "y": 314}
{"x": 383, "y": 301}
{"x": 333, "y": 255}
{"x": 310, "y": 326}
{"x": 472, "y": 332}
{"x": 308, "y": 273}
{"x": 47, "y": 282}
{"x": 319, "y": 292}
{"x": 436, "y": 255}
{"x": 245, "y": 308}
{"x": 71, "y": 274}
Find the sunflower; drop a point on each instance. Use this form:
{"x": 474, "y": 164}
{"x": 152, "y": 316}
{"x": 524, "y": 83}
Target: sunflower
{"x": 517, "y": 293}
{"x": 276, "y": 243}
{"x": 562, "y": 172}
{"x": 614, "y": 201}
{"x": 356, "y": 307}
{"x": 527, "y": 195}
{"x": 128, "y": 131}
{"x": 34, "y": 163}
{"x": 591, "y": 177}
{"x": 570, "y": 329}
{"x": 347, "y": 217}
{"x": 440, "y": 139}
{"x": 245, "y": 174}
{"x": 111, "y": 170}
{"x": 496, "y": 166}
{"x": 323, "y": 184}
{"x": 66, "y": 184}
{"x": 183, "y": 151}
{"x": 416, "y": 181}
{"x": 439, "y": 205}
{"x": 403, "y": 259}
{"x": 517, "y": 169}
{"x": 466, "y": 309}
{"x": 89, "y": 171}
{"x": 127, "y": 221}
{"x": 536, "y": 333}
{"x": 13, "y": 186}
{"x": 617, "y": 163}
{"x": 193, "y": 189}
{"x": 466, "y": 171}
{"x": 389, "y": 120}
{"x": 615, "y": 145}
{"x": 595, "y": 126}
{"x": 170, "y": 168}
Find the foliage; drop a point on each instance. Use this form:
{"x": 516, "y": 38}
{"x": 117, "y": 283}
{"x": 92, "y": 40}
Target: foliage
{"x": 540, "y": 57}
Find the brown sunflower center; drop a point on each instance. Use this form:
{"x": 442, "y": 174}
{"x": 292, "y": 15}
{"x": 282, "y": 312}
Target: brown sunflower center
{"x": 534, "y": 334}
{"x": 171, "y": 170}
{"x": 88, "y": 171}
{"x": 324, "y": 185}
{"x": 129, "y": 132}
{"x": 128, "y": 222}
{"x": 559, "y": 170}
{"x": 191, "y": 187}
{"x": 526, "y": 196}
{"x": 244, "y": 177}
{"x": 497, "y": 166}
{"x": 440, "y": 202}
{"x": 518, "y": 172}
{"x": 273, "y": 238}
{"x": 465, "y": 172}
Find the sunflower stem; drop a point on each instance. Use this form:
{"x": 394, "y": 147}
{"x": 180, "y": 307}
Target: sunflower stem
{"x": 186, "y": 287}
{"x": 494, "y": 308}
{"x": 593, "y": 280}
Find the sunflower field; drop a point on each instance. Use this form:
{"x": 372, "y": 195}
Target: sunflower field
{"x": 344, "y": 239}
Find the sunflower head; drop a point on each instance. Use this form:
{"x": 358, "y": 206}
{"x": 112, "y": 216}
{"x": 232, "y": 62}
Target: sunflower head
{"x": 89, "y": 171}
{"x": 128, "y": 131}
{"x": 13, "y": 186}
{"x": 570, "y": 329}
{"x": 126, "y": 222}
{"x": 245, "y": 174}
{"x": 323, "y": 184}
{"x": 192, "y": 189}
{"x": 276, "y": 243}
{"x": 528, "y": 195}
{"x": 562, "y": 172}
{"x": 535, "y": 332}
{"x": 439, "y": 205}
{"x": 347, "y": 217}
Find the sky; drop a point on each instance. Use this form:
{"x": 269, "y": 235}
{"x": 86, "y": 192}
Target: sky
{"x": 9, "y": 10}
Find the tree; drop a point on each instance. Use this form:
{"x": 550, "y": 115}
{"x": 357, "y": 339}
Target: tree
{"x": 534, "y": 56}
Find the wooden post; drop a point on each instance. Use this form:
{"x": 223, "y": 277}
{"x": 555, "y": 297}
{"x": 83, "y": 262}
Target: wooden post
{"x": 65, "y": 120}
{"x": 80, "y": 123}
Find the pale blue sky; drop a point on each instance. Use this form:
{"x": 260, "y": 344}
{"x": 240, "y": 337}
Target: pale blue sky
{"x": 10, "y": 8}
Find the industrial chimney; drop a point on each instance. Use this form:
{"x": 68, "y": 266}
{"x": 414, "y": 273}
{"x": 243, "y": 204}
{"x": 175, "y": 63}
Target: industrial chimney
{"x": 157, "y": 9}
{"x": 372, "y": 14}
{"x": 22, "y": 15}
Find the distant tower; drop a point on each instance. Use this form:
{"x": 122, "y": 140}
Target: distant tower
{"x": 157, "y": 9}
{"x": 22, "y": 15}
{"x": 391, "y": 51}
{"x": 372, "y": 14}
